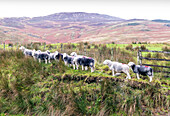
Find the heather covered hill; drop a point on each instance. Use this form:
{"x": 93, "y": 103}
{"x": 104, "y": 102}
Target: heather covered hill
{"x": 81, "y": 27}
{"x": 77, "y": 17}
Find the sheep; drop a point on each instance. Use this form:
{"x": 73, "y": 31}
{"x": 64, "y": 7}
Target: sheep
{"x": 42, "y": 56}
{"x": 35, "y": 54}
{"x": 59, "y": 56}
{"x": 26, "y": 52}
{"x": 88, "y": 62}
{"x": 68, "y": 60}
{"x": 118, "y": 67}
{"x": 83, "y": 61}
{"x": 53, "y": 56}
{"x": 75, "y": 54}
{"x": 77, "y": 60}
{"x": 143, "y": 70}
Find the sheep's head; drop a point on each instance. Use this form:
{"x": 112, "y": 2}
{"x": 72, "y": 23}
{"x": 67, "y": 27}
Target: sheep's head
{"x": 64, "y": 55}
{"x": 106, "y": 62}
{"x": 48, "y": 52}
{"x": 38, "y": 50}
{"x": 56, "y": 52}
{"x": 33, "y": 52}
{"x": 73, "y": 54}
{"x": 22, "y": 48}
{"x": 131, "y": 64}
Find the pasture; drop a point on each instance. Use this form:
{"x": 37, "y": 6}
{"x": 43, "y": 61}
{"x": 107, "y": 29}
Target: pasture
{"x": 31, "y": 88}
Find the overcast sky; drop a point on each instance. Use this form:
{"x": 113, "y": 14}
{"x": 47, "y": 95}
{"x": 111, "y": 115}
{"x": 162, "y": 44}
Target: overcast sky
{"x": 126, "y": 9}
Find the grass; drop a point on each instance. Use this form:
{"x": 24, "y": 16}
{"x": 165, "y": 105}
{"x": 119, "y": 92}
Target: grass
{"x": 32, "y": 88}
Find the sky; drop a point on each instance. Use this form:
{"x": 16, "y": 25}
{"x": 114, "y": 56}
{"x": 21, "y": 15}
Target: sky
{"x": 126, "y": 9}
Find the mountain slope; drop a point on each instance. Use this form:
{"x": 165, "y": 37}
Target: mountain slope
{"x": 82, "y": 27}
{"x": 77, "y": 17}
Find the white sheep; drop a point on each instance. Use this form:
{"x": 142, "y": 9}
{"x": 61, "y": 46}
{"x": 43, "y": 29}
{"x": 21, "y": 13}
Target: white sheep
{"x": 118, "y": 67}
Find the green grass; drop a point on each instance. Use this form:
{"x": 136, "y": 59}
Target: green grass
{"x": 32, "y": 88}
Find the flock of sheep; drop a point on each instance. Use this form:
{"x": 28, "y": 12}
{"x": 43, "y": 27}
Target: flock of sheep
{"x": 85, "y": 62}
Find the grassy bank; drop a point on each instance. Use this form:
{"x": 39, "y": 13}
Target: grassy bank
{"x": 31, "y": 88}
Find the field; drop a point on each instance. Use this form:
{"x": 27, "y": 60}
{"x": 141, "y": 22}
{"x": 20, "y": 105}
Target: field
{"x": 31, "y": 88}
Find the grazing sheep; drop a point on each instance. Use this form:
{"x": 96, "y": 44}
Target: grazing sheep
{"x": 68, "y": 60}
{"x": 118, "y": 67}
{"x": 143, "y": 70}
{"x": 26, "y": 52}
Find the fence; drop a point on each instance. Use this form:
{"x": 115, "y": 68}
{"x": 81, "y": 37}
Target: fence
{"x": 140, "y": 58}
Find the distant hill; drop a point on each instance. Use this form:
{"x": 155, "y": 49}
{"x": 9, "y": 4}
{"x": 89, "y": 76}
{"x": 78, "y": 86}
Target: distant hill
{"x": 161, "y": 21}
{"x": 77, "y": 17}
{"x": 82, "y": 27}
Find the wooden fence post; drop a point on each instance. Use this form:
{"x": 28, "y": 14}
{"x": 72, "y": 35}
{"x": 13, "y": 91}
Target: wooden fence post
{"x": 112, "y": 54}
{"x": 4, "y": 46}
{"x": 31, "y": 45}
{"x": 44, "y": 46}
{"x": 17, "y": 47}
{"x": 85, "y": 50}
{"x": 61, "y": 47}
{"x": 116, "y": 54}
{"x": 139, "y": 60}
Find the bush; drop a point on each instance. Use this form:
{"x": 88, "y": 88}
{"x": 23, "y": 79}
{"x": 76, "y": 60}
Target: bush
{"x": 149, "y": 55}
{"x": 129, "y": 47}
{"x": 143, "y": 47}
{"x": 134, "y": 42}
{"x": 166, "y": 48}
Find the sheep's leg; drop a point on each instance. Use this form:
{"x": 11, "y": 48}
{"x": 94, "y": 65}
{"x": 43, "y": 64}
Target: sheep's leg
{"x": 113, "y": 73}
{"x": 86, "y": 68}
{"x": 150, "y": 77}
{"x": 39, "y": 60}
{"x": 74, "y": 66}
{"x": 137, "y": 76}
{"x": 34, "y": 58}
{"x": 45, "y": 61}
{"x": 77, "y": 66}
{"x": 82, "y": 67}
{"x": 49, "y": 61}
{"x": 92, "y": 69}
{"x": 128, "y": 76}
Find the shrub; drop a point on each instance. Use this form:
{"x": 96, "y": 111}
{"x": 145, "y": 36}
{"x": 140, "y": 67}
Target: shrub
{"x": 86, "y": 43}
{"x": 149, "y": 55}
{"x": 166, "y": 48}
{"x": 129, "y": 47}
{"x": 143, "y": 47}
{"x": 89, "y": 46}
{"x": 134, "y": 42}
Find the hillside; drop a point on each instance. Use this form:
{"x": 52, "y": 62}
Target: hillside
{"x": 81, "y": 27}
{"x": 31, "y": 88}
